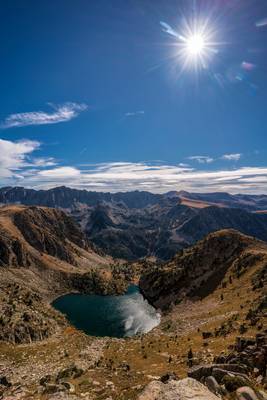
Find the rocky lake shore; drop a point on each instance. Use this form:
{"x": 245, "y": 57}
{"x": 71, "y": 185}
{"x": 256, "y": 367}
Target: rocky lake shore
{"x": 211, "y": 342}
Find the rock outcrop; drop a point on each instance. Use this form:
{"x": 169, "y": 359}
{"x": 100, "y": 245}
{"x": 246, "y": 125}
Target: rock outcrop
{"x": 240, "y": 371}
{"x": 185, "y": 389}
{"x": 25, "y": 317}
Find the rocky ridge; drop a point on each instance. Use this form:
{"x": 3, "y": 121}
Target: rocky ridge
{"x": 135, "y": 225}
{"x": 199, "y": 270}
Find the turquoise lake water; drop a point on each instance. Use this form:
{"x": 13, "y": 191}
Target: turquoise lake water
{"x": 114, "y": 316}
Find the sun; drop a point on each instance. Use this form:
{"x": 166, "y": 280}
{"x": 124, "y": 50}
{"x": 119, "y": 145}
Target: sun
{"x": 195, "y": 45}
{"x": 195, "y": 42}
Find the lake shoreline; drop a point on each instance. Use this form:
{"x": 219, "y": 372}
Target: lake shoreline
{"x": 113, "y": 316}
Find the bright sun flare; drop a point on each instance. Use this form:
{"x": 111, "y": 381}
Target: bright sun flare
{"x": 195, "y": 45}
{"x": 196, "y": 42}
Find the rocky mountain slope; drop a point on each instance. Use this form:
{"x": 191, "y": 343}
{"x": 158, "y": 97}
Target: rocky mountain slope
{"x": 42, "y": 255}
{"x": 224, "y": 199}
{"x": 213, "y": 327}
{"x": 135, "y": 225}
{"x": 197, "y": 271}
{"x": 225, "y": 275}
{"x": 162, "y": 229}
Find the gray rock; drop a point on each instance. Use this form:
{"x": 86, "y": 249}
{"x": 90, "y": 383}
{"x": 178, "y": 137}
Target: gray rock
{"x": 241, "y": 369}
{"x": 71, "y": 372}
{"x": 200, "y": 371}
{"x": 45, "y": 380}
{"x": 219, "y": 374}
{"x": 51, "y": 388}
{"x": 213, "y": 385}
{"x": 185, "y": 389}
{"x": 168, "y": 377}
{"x": 246, "y": 393}
{"x": 69, "y": 386}
{"x": 233, "y": 382}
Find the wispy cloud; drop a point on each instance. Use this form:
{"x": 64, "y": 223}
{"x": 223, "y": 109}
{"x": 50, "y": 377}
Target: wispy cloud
{"x": 134, "y": 113}
{"x": 262, "y": 22}
{"x": 61, "y": 113}
{"x": 209, "y": 159}
{"x": 201, "y": 159}
{"x": 43, "y": 162}
{"x": 113, "y": 177}
{"x": 231, "y": 157}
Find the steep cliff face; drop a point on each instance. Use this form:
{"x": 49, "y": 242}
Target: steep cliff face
{"x": 197, "y": 271}
{"x": 39, "y": 236}
{"x": 44, "y": 254}
{"x": 50, "y": 231}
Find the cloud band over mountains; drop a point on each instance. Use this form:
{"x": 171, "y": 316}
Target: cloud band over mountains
{"x": 18, "y": 166}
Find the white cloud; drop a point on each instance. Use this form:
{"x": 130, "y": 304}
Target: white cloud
{"x": 115, "y": 177}
{"x": 43, "y": 162}
{"x": 201, "y": 159}
{"x": 208, "y": 159}
{"x": 18, "y": 166}
{"x": 61, "y": 113}
{"x": 14, "y": 155}
{"x": 134, "y": 113}
{"x": 231, "y": 157}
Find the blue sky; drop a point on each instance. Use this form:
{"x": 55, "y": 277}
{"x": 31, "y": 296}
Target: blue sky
{"x": 97, "y": 95}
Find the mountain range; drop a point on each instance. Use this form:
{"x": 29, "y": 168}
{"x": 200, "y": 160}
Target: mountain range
{"x": 134, "y": 225}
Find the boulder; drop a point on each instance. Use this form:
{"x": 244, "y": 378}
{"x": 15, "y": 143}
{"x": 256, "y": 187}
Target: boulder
{"x": 233, "y": 382}
{"x": 45, "y": 380}
{"x": 71, "y": 372}
{"x": 51, "y": 388}
{"x": 69, "y": 386}
{"x": 185, "y": 389}
{"x": 217, "y": 370}
{"x": 213, "y": 385}
{"x": 200, "y": 371}
{"x": 246, "y": 393}
{"x": 168, "y": 377}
